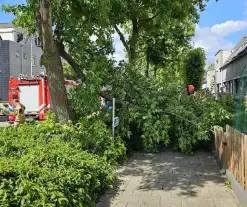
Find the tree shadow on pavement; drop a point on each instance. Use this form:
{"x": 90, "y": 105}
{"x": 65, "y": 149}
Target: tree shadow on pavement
{"x": 170, "y": 174}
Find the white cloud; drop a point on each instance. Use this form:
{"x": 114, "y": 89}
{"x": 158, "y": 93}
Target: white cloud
{"x": 214, "y": 38}
{"x": 209, "y": 40}
{"x": 229, "y": 27}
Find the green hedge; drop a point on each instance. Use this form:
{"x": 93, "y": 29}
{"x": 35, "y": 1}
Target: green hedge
{"x": 53, "y": 165}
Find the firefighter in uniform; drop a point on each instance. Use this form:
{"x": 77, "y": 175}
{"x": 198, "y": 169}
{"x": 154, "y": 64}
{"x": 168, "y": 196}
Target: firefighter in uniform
{"x": 19, "y": 110}
{"x": 190, "y": 89}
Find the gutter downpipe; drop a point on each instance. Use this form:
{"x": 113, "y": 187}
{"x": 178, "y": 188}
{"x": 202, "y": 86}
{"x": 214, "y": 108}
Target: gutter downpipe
{"x": 21, "y": 59}
{"x": 31, "y": 57}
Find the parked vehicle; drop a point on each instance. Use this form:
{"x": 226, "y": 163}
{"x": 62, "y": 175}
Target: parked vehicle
{"x": 34, "y": 94}
{"x": 3, "y": 108}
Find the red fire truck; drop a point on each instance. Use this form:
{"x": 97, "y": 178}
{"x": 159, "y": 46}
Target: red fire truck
{"x": 34, "y": 94}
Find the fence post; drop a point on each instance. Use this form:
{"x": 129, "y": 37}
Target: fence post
{"x": 215, "y": 142}
{"x": 245, "y": 161}
{"x": 242, "y": 161}
{"x": 234, "y": 154}
{"x": 227, "y": 147}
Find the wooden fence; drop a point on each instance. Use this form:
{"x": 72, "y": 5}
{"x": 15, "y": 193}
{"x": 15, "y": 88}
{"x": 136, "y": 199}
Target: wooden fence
{"x": 231, "y": 150}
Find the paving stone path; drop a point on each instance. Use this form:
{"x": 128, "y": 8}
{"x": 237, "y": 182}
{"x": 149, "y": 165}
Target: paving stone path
{"x": 169, "y": 179}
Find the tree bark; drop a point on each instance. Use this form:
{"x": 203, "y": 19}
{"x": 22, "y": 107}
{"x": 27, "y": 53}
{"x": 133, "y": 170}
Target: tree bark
{"x": 133, "y": 41}
{"x": 52, "y": 62}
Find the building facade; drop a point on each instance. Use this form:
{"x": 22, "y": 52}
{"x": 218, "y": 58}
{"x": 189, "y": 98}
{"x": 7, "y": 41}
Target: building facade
{"x": 18, "y": 55}
{"x": 231, "y": 65}
{"x": 209, "y": 81}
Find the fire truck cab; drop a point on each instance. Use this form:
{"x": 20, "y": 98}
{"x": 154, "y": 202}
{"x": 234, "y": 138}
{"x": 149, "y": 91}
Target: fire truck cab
{"x": 34, "y": 94}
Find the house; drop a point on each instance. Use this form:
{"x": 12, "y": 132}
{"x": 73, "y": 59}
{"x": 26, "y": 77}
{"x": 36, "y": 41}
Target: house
{"x": 209, "y": 80}
{"x": 19, "y": 54}
{"x": 231, "y": 65}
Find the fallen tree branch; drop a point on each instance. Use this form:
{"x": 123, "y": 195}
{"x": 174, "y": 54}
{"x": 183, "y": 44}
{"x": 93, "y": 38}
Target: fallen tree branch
{"x": 72, "y": 62}
{"x": 121, "y": 36}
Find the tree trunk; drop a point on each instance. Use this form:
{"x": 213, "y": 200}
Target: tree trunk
{"x": 52, "y": 61}
{"x": 133, "y": 42}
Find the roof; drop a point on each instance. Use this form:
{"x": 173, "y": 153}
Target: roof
{"x": 6, "y": 25}
{"x": 238, "y": 51}
{"x": 218, "y": 52}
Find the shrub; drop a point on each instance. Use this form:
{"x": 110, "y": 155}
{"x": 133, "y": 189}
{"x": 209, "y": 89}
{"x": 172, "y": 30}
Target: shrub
{"x": 193, "y": 121}
{"x": 54, "y": 165}
{"x": 228, "y": 102}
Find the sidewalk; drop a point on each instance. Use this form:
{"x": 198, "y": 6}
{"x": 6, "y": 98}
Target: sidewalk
{"x": 170, "y": 180}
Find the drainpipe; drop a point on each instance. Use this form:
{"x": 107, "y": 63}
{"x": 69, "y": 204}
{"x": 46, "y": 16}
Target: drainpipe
{"x": 31, "y": 58}
{"x": 21, "y": 59}
{"x": 221, "y": 80}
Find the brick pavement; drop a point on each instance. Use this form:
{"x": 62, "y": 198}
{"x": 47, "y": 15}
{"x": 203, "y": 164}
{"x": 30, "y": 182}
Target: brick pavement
{"x": 169, "y": 179}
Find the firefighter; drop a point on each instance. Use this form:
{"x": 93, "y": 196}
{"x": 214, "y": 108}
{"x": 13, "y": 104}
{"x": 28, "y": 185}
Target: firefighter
{"x": 19, "y": 110}
{"x": 190, "y": 89}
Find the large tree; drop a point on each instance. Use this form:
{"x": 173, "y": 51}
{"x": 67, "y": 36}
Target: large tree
{"x": 52, "y": 61}
{"x": 62, "y": 35}
{"x": 146, "y": 17}
{"x": 167, "y": 46}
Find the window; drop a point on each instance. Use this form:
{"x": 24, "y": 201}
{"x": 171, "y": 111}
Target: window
{"x": 218, "y": 88}
{"x": 19, "y": 37}
{"x": 237, "y": 86}
{"x": 227, "y": 88}
{"x": 230, "y": 87}
{"x": 25, "y": 55}
{"x": 17, "y": 54}
{"x": 37, "y": 41}
{"x": 34, "y": 61}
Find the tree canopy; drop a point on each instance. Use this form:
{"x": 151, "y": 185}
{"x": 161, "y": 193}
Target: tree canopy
{"x": 194, "y": 66}
{"x": 149, "y": 87}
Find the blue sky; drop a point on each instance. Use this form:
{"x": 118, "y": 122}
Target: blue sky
{"x": 8, "y": 17}
{"x": 221, "y": 26}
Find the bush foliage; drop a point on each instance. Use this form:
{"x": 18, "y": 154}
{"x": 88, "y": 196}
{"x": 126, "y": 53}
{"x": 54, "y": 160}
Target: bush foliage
{"x": 56, "y": 165}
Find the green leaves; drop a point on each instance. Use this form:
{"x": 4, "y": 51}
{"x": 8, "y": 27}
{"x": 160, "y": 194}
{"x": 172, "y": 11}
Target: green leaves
{"x": 25, "y": 16}
{"x": 53, "y": 165}
{"x": 194, "y": 67}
